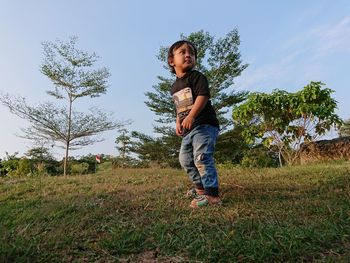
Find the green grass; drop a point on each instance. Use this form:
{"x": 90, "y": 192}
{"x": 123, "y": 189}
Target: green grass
{"x": 297, "y": 214}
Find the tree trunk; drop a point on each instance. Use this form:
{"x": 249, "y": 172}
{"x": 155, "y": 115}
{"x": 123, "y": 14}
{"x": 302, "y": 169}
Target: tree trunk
{"x": 280, "y": 157}
{"x": 65, "y": 160}
{"x": 68, "y": 137}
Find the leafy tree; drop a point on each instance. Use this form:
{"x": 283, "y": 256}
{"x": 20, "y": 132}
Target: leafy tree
{"x": 153, "y": 150}
{"x": 220, "y": 61}
{"x": 230, "y": 146}
{"x": 39, "y": 154}
{"x": 287, "y": 120}
{"x": 43, "y": 161}
{"x": 344, "y": 129}
{"x": 70, "y": 71}
{"x": 124, "y": 147}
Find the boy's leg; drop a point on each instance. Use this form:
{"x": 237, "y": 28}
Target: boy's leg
{"x": 204, "y": 139}
{"x": 187, "y": 161}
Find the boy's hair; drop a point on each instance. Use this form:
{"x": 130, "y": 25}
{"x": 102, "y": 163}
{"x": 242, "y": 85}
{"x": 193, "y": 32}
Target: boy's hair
{"x": 175, "y": 46}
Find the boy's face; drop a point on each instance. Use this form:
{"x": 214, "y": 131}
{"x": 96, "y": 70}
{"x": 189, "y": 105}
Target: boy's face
{"x": 183, "y": 59}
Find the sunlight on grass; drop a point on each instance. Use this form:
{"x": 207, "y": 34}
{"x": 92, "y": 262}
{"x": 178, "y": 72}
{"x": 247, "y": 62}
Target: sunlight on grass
{"x": 268, "y": 215}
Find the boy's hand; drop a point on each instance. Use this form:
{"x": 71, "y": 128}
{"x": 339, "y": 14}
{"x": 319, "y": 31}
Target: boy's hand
{"x": 178, "y": 129}
{"x": 188, "y": 122}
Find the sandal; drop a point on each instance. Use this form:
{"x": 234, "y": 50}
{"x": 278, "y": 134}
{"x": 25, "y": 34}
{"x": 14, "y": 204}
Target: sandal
{"x": 194, "y": 192}
{"x": 205, "y": 200}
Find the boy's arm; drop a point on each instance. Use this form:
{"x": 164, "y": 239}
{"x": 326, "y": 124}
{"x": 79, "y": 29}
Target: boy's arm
{"x": 178, "y": 126}
{"x": 198, "y": 106}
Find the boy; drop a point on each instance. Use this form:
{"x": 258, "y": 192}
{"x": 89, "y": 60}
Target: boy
{"x": 196, "y": 122}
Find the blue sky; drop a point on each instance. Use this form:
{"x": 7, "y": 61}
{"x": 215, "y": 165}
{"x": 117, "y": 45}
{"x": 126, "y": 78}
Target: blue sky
{"x": 287, "y": 44}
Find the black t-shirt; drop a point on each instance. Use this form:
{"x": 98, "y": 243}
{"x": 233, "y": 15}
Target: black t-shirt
{"x": 185, "y": 90}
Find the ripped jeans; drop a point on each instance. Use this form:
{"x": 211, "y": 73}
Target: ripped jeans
{"x": 196, "y": 157}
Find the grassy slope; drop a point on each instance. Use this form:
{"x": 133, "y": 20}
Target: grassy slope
{"x": 268, "y": 215}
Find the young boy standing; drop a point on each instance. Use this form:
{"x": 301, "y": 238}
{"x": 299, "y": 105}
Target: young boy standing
{"x": 196, "y": 122}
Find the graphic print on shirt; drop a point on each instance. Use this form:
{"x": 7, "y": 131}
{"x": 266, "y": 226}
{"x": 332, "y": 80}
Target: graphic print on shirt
{"x": 183, "y": 101}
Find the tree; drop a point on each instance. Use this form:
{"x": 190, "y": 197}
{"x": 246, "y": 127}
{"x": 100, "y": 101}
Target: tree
{"x": 220, "y": 61}
{"x": 70, "y": 71}
{"x": 230, "y": 146}
{"x": 344, "y": 129}
{"x": 124, "y": 147}
{"x": 39, "y": 154}
{"x": 287, "y": 120}
{"x": 43, "y": 161}
{"x": 153, "y": 150}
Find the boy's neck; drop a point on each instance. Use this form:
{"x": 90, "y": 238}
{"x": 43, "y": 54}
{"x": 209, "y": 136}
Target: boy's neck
{"x": 182, "y": 74}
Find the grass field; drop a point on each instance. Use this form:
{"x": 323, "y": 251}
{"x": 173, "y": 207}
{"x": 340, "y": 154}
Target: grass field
{"x": 297, "y": 214}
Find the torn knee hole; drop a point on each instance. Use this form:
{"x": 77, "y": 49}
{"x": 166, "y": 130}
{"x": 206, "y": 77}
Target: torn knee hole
{"x": 200, "y": 157}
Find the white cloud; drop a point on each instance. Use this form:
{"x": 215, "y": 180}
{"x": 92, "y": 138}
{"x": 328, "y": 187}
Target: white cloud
{"x": 302, "y": 58}
{"x": 268, "y": 76}
{"x": 333, "y": 38}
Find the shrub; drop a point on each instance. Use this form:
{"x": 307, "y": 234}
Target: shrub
{"x": 80, "y": 168}
{"x": 25, "y": 167}
{"x": 9, "y": 167}
{"x": 258, "y": 157}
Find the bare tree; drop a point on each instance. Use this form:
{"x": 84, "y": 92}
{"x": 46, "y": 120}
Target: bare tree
{"x": 69, "y": 69}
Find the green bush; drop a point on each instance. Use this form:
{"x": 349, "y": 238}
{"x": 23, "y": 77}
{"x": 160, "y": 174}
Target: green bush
{"x": 258, "y": 157}
{"x": 25, "y": 167}
{"x": 9, "y": 167}
{"x": 80, "y": 168}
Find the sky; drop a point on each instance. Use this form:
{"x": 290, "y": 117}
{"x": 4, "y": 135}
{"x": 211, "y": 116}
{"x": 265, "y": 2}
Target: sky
{"x": 287, "y": 44}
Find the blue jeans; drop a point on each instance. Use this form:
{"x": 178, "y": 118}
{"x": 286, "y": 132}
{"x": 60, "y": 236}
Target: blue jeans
{"x": 196, "y": 157}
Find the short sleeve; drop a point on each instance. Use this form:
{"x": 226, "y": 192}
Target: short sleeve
{"x": 200, "y": 84}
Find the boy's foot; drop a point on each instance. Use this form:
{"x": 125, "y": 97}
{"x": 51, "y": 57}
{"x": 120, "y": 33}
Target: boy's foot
{"x": 205, "y": 200}
{"x": 194, "y": 192}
